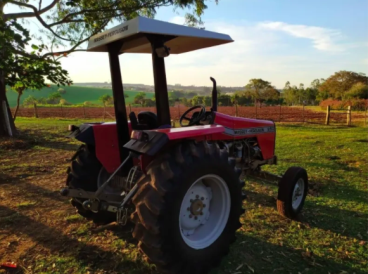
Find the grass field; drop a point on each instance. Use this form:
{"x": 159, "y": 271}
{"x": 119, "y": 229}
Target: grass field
{"x": 74, "y": 94}
{"x": 40, "y": 231}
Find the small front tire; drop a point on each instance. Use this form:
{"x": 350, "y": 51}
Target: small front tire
{"x": 293, "y": 189}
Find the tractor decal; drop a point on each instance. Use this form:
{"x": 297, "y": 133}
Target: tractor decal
{"x": 248, "y": 131}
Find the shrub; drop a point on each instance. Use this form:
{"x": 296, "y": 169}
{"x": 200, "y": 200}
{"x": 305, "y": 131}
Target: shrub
{"x": 64, "y": 102}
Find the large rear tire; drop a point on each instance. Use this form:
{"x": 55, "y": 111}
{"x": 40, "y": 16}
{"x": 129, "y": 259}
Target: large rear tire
{"x": 198, "y": 174}
{"x": 83, "y": 174}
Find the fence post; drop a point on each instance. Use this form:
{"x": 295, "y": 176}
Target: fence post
{"x": 35, "y": 110}
{"x": 328, "y": 116}
{"x": 179, "y": 109}
{"x": 303, "y": 114}
{"x": 61, "y": 107}
{"x": 280, "y": 114}
{"x": 130, "y": 108}
{"x": 365, "y": 116}
{"x": 84, "y": 112}
{"x": 256, "y": 110}
{"x": 348, "y": 116}
{"x": 236, "y": 110}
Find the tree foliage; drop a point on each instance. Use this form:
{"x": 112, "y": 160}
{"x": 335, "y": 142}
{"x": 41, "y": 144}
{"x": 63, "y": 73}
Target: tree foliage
{"x": 339, "y": 84}
{"x": 139, "y": 98}
{"x": 105, "y": 99}
{"x": 261, "y": 90}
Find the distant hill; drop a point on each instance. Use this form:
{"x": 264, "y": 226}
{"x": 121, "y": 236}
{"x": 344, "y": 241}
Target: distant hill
{"x": 74, "y": 94}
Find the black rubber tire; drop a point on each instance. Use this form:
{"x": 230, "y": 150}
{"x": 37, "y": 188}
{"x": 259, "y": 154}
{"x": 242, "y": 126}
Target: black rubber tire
{"x": 286, "y": 188}
{"x": 83, "y": 174}
{"x": 158, "y": 202}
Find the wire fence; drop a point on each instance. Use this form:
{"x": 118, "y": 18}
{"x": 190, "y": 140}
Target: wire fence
{"x": 274, "y": 113}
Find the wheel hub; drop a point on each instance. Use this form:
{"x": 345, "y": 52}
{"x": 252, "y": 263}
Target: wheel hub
{"x": 204, "y": 211}
{"x": 196, "y": 207}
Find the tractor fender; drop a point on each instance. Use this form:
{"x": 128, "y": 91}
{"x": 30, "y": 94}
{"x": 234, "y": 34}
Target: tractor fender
{"x": 104, "y": 138}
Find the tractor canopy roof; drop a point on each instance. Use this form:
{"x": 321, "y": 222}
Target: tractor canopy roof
{"x": 134, "y": 35}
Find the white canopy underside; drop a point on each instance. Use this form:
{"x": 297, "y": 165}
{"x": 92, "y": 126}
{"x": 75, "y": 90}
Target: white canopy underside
{"x": 132, "y": 34}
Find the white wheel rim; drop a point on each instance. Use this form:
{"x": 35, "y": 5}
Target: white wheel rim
{"x": 204, "y": 211}
{"x": 298, "y": 194}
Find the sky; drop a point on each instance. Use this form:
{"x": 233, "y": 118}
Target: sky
{"x": 276, "y": 40}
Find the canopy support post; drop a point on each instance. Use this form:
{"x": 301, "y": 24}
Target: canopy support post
{"x": 161, "y": 93}
{"x": 119, "y": 103}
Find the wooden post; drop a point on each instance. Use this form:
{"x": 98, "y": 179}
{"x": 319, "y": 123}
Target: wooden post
{"x": 328, "y": 116}
{"x": 256, "y": 110}
{"x": 280, "y": 114}
{"x": 84, "y": 112}
{"x": 348, "y": 116}
{"x": 365, "y": 116}
{"x": 61, "y": 107}
{"x": 179, "y": 109}
{"x": 236, "y": 110}
{"x": 35, "y": 110}
{"x": 303, "y": 114}
{"x": 130, "y": 108}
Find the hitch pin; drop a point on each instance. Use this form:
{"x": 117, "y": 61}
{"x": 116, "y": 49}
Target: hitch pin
{"x": 98, "y": 192}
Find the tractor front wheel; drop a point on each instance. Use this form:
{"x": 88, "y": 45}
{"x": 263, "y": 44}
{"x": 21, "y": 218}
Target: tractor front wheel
{"x": 293, "y": 189}
{"x": 188, "y": 208}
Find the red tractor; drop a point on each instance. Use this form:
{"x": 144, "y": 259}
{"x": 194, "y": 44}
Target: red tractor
{"x": 181, "y": 186}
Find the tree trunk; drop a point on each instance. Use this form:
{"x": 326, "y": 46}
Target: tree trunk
{"x": 7, "y": 127}
{"x": 17, "y": 108}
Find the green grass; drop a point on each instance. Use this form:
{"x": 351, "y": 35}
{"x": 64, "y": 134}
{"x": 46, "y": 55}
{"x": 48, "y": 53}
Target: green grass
{"x": 329, "y": 237}
{"x": 74, "y": 94}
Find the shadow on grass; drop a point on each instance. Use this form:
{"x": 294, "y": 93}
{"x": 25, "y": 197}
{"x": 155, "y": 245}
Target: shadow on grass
{"x": 62, "y": 245}
{"x": 28, "y": 139}
{"x": 264, "y": 257}
{"x": 344, "y": 222}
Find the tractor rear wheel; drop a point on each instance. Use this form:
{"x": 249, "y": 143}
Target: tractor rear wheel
{"x": 187, "y": 208}
{"x": 83, "y": 174}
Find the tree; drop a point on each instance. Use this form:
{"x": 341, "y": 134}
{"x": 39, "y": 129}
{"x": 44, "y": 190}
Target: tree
{"x": 29, "y": 101}
{"x": 61, "y": 91}
{"x": 54, "y": 98}
{"x": 260, "y": 90}
{"x": 339, "y": 84}
{"x": 105, "y": 99}
{"x": 139, "y": 98}
{"x": 358, "y": 91}
{"x": 207, "y": 100}
{"x": 67, "y": 24}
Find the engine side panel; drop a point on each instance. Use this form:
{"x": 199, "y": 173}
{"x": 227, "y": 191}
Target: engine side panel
{"x": 240, "y": 128}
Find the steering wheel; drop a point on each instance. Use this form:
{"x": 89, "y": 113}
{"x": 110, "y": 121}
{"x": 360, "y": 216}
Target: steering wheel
{"x": 195, "y": 119}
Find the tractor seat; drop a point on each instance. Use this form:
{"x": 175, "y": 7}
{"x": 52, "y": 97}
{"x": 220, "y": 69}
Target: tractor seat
{"x": 146, "y": 120}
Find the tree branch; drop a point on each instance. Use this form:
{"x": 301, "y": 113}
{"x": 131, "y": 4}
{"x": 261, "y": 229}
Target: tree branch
{"x": 29, "y": 14}
{"x": 73, "y": 49}
{"x": 39, "y": 18}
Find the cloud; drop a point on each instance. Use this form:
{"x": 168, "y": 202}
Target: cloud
{"x": 322, "y": 38}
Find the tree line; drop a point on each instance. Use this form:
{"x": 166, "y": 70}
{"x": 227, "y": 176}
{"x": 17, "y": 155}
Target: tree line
{"x": 342, "y": 85}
